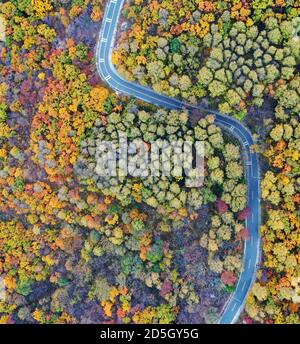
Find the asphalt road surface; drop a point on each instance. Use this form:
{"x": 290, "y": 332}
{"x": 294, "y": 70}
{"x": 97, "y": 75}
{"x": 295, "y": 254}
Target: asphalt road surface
{"x": 108, "y": 73}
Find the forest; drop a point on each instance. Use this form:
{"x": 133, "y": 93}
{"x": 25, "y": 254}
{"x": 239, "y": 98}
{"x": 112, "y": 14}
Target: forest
{"x": 78, "y": 248}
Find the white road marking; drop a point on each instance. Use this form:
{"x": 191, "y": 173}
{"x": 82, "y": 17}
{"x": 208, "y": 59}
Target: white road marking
{"x": 251, "y": 240}
{"x": 245, "y": 143}
{"x": 108, "y": 20}
{"x": 101, "y": 60}
{"x": 233, "y": 307}
{"x": 232, "y": 128}
{"x": 249, "y": 163}
{"x": 244, "y": 285}
{"x": 252, "y": 195}
{"x": 113, "y": 1}
{"x": 249, "y": 264}
{"x": 107, "y": 77}
{"x": 252, "y": 218}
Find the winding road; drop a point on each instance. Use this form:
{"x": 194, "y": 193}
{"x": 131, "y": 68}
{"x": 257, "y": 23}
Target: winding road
{"x": 109, "y": 74}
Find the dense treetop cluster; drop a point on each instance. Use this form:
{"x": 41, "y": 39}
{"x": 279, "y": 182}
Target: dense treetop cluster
{"x": 223, "y": 174}
{"x": 275, "y": 296}
{"x": 232, "y": 52}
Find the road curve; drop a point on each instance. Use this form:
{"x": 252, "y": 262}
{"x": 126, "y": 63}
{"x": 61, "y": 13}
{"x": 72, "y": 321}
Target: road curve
{"x": 108, "y": 73}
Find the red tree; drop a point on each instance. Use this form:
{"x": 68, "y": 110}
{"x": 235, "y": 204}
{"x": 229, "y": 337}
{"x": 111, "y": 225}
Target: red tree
{"x": 228, "y": 278}
{"x": 244, "y": 214}
{"x": 221, "y": 206}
